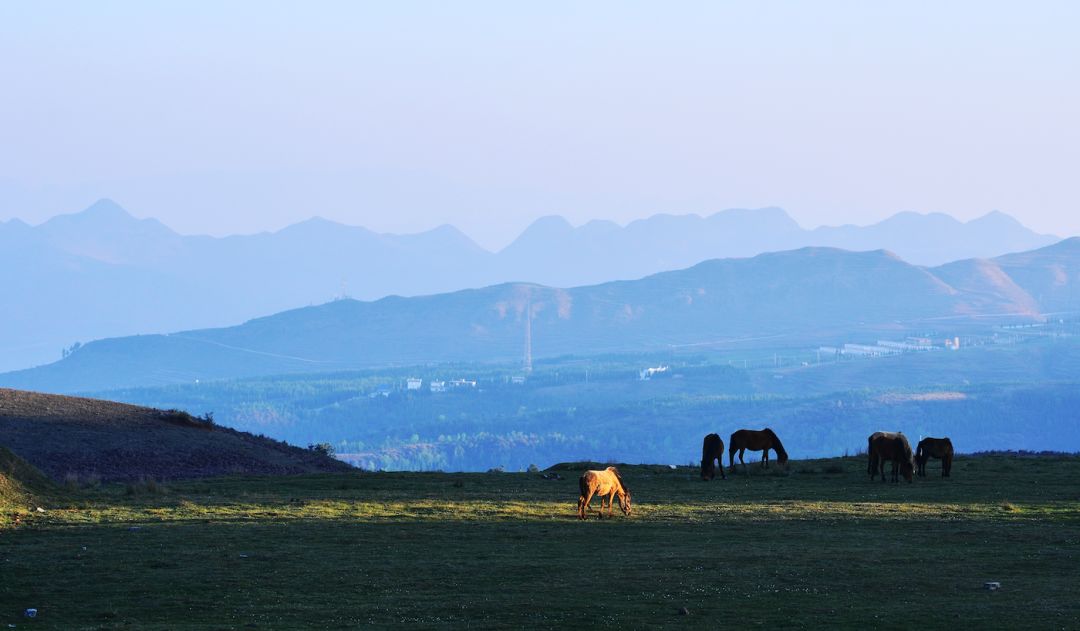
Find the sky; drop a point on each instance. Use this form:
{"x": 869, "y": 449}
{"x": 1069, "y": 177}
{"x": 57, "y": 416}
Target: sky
{"x": 238, "y": 117}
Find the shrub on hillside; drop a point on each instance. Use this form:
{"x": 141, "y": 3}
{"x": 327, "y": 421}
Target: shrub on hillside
{"x": 325, "y": 449}
{"x": 180, "y": 417}
{"x": 145, "y": 485}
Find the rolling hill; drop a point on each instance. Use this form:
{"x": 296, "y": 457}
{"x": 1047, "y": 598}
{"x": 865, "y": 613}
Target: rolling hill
{"x": 103, "y": 273}
{"x": 803, "y": 295}
{"x": 21, "y": 485}
{"x": 113, "y": 441}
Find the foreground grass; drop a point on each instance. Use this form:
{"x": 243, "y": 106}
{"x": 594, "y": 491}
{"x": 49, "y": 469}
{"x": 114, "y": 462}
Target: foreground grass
{"x": 819, "y": 545}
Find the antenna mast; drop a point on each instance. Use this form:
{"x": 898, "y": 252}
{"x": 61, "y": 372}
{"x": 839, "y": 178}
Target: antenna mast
{"x": 528, "y": 335}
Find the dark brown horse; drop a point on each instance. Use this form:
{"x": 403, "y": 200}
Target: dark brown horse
{"x": 892, "y": 446}
{"x": 940, "y": 448}
{"x": 712, "y": 454}
{"x": 607, "y": 482}
{"x": 755, "y": 440}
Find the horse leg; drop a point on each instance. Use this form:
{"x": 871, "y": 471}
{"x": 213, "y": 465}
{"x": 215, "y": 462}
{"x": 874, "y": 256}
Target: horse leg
{"x": 742, "y": 461}
{"x": 946, "y": 465}
{"x": 881, "y": 464}
{"x": 731, "y": 458}
{"x": 765, "y": 458}
{"x": 588, "y": 500}
{"x": 610, "y": 501}
{"x": 720, "y": 461}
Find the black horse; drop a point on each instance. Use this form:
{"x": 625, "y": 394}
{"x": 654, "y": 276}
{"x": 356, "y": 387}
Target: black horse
{"x": 712, "y": 454}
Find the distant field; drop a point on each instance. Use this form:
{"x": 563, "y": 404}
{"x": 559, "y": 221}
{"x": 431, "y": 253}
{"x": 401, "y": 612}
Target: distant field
{"x": 995, "y": 396}
{"x": 821, "y": 545}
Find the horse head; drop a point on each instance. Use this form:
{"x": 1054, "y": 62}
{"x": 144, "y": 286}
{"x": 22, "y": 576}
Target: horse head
{"x": 907, "y": 469}
{"x": 920, "y": 462}
{"x": 624, "y": 502}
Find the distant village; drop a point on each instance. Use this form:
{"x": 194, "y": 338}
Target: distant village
{"x": 930, "y": 342}
{"x": 416, "y": 384}
{"x": 884, "y": 348}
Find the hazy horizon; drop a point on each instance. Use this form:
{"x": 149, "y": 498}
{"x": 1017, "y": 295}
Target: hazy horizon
{"x": 500, "y": 246}
{"x": 252, "y": 116}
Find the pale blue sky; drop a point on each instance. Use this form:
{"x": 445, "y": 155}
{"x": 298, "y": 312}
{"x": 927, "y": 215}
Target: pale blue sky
{"x": 246, "y": 116}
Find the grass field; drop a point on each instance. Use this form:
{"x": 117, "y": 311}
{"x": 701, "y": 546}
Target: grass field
{"x": 818, "y": 545}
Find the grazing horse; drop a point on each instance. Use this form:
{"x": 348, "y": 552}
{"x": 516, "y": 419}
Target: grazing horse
{"x": 940, "y": 448}
{"x": 755, "y": 440}
{"x": 712, "y": 451}
{"x": 603, "y": 483}
{"x": 892, "y": 446}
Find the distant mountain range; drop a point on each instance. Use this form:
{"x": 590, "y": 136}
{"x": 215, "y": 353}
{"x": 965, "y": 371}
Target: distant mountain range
{"x": 102, "y": 273}
{"x": 805, "y": 294}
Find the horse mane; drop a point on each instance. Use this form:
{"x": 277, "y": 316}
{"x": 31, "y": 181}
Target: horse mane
{"x": 906, "y": 445}
{"x": 618, "y": 477}
{"x": 777, "y": 445}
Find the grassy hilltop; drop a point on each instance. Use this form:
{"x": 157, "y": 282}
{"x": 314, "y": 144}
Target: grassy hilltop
{"x": 815, "y": 545}
{"x": 88, "y": 439}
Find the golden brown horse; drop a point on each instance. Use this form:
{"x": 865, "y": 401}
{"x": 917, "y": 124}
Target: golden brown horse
{"x": 892, "y": 446}
{"x": 755, "y": 440}
{"x": 940, "y": 448}
{"x": 603, "y": 483}
{"x": 712, "y": 451}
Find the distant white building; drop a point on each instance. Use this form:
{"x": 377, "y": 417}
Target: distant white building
{"x": 438, "y": 386}
{"x": 412, "y": 383}
{"x": 381, "y": 391}
{"x": 462, "y": 383}
{"x": 904, "y": 346}
{"x": 867, "y": 350}
{"x": 517, "y": 379}
{"x": 646, "y": 374}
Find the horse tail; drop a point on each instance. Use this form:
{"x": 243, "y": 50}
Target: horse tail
{"x": 583, "y": 485}
{"x": 733, "y": 441}
{"x": 870, "y": 455}
{"x": 919, "y": 449}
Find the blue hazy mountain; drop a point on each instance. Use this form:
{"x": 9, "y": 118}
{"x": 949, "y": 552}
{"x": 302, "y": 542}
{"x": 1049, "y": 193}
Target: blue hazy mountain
{"x": 800, "y": 295}
{"x": 103, "y": 273}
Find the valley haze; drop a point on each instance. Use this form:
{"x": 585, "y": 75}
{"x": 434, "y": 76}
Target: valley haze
{"x": 820, "y": 341}
{"x": 103, "y": 273}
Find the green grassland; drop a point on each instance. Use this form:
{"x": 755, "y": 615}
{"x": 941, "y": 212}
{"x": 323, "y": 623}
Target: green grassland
{"x": 816, "y": 544}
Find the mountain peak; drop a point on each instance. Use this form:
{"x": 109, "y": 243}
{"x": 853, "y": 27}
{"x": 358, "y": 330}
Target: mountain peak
{"x": 997, "y": 218}
{"x": 105, "y": 208}
{"x": 771, "y": 216}
{"x": 545, "y": 232}
{"x": 550, "y": 223}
